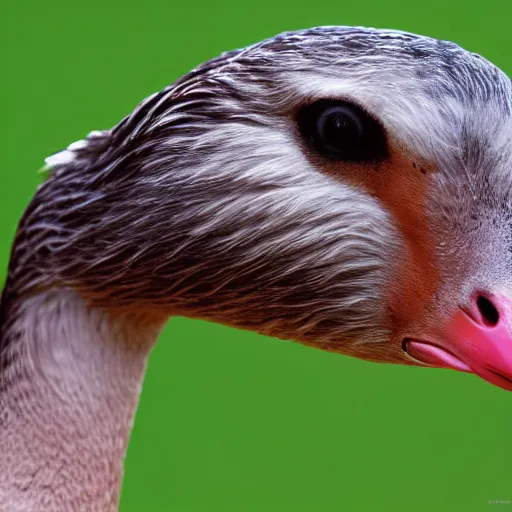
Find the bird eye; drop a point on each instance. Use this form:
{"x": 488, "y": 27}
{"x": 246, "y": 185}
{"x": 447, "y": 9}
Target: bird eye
{"x": 342, "y": 131}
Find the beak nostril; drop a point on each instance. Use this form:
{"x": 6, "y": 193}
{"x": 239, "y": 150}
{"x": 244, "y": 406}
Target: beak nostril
{"x": 488, "y": 312}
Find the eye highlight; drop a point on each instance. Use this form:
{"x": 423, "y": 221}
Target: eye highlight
{"x": 342, "y": 131}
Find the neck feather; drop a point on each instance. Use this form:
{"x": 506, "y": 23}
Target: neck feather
{"x": 69, "y": 388}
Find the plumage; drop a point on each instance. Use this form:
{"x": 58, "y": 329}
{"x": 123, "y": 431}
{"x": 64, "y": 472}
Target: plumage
{"x": 207, "y": 202}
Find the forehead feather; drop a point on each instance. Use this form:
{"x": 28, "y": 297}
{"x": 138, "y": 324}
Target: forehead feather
{"x": 434, "y": 97}
{"x": 432, "y": 94}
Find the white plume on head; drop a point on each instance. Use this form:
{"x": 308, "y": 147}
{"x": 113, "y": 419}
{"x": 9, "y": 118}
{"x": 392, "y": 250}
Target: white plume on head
{"x": 70, "y": 154}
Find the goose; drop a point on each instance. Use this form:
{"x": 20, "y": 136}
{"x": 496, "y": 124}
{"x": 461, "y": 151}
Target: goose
{"x": 346, "y": 188}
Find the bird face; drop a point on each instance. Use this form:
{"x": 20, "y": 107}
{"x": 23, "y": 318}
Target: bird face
{"x": 429, "y": 140}
{"x": 349, "y": 189}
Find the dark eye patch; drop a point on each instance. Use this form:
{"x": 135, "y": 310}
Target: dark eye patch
{"x": 342, "y": 131}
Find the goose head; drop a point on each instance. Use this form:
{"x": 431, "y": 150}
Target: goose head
{"x": 349, "y": 189}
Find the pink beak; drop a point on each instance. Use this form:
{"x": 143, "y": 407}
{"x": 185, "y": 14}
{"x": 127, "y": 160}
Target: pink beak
{"x": 478, "y": 341}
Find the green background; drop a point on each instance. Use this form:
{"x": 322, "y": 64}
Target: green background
{"x": 232, "y": 421}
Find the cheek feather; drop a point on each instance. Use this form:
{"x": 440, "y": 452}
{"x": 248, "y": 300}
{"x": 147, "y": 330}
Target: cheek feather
{"x": 402, "y": 187}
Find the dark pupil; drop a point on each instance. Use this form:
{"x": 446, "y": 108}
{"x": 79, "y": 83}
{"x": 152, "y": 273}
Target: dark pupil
{"x": 339, "y": 129}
